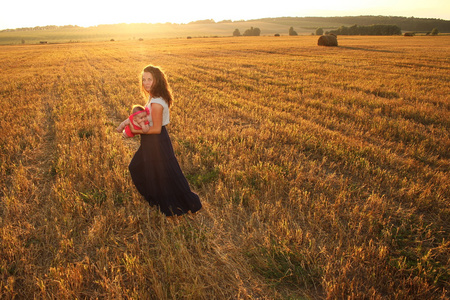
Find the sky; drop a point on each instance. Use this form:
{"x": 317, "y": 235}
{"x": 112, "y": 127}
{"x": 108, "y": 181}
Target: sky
{"x": 31, "y": 13}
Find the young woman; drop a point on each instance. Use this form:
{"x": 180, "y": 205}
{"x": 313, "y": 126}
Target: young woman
{"x": 154, "y": 168}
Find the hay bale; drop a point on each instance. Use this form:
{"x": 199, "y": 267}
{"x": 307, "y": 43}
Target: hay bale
{"x": 327, "y": 40}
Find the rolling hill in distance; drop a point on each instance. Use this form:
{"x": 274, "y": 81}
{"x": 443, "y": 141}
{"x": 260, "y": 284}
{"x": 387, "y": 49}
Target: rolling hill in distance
{"x": 209, "y": 28}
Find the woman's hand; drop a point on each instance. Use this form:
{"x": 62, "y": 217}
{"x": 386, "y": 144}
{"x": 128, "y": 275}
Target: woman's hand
{"x": 135, "y": 131}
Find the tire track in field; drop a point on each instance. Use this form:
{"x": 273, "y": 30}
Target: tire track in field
{"x": 26, "y": 230}
{"x": 41, "y": 164}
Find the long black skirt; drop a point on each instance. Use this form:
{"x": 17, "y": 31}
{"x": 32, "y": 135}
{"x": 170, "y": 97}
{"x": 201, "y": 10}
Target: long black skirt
{"x": 158, "y": 177}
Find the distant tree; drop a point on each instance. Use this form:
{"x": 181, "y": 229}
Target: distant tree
{"x": 343, "y": 30}
{"x": 236, "y": 32}
{"x": 435, "y": 31}
{"x": 353, "y": 30}
{"x": 252, "y": 32}
{"x": 292, "y": 32}
{"x": 319, "y": 31}
{"x": 207, "y": 21}
{"x": 368, "y": 30}
{"x": 248, "y": 32}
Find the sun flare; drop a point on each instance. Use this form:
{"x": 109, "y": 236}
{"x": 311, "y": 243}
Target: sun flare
{"x": 89, "y": 13}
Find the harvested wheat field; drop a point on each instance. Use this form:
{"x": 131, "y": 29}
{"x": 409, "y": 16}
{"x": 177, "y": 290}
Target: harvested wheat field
{"x": 323, "y": 172}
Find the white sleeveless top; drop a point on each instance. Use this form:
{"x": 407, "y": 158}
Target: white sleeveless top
{"x": 166, "y": 113}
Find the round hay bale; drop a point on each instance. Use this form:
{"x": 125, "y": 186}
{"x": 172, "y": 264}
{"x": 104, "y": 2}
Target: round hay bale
{"x": 327, "y": 40}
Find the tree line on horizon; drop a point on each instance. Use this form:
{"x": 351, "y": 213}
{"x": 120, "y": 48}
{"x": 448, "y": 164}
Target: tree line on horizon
{"x": 406, "y": 23}
{"x": 368, "y": 30}
{"x": 343, "y": 30}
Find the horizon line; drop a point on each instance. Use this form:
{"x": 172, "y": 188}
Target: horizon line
{"x": 214, "y": 21}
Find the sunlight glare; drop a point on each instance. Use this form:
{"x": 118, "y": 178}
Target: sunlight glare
{"x": 90, "y": 13}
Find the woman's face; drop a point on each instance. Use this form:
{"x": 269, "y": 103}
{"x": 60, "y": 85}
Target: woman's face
{"x": 147, "y": 81}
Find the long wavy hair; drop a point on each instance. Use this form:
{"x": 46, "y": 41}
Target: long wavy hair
{"x": 160, "y": 87}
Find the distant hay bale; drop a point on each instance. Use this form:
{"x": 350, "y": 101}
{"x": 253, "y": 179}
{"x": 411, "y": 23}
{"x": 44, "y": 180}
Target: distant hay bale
{"x": 409, "y": 34}
{"x": 327, "y": 40}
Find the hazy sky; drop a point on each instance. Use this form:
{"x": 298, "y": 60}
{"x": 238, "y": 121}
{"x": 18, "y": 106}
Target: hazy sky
{"x": 31, "y": 13}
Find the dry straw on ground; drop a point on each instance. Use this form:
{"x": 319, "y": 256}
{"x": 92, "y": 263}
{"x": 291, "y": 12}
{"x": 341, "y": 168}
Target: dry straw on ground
{"x": 324, "y": 173}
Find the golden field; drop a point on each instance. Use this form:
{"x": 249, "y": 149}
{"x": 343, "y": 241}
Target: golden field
{"x": 324, "y": 172}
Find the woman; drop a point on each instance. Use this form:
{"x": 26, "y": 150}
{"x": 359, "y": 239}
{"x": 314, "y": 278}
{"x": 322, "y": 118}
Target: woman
{"x": 154, "y": 168}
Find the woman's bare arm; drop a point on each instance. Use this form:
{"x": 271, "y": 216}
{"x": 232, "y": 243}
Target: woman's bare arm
{"x": 144, "y": 127}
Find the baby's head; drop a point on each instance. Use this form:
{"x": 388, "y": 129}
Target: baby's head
{"x": 139, "y": 113}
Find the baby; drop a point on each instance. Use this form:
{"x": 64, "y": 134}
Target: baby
{"x": 138, "y": 119}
